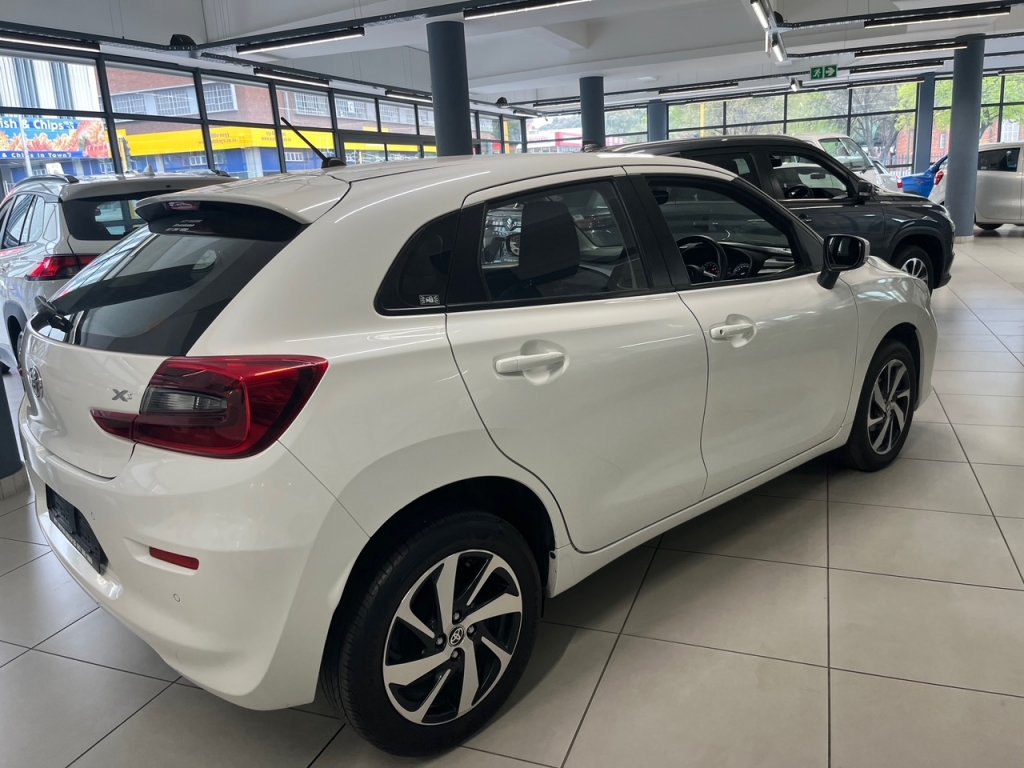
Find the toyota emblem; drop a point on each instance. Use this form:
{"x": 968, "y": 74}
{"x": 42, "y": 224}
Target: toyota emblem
{"x": 35, "y": 381}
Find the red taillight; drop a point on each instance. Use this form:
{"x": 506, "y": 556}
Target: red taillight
{"x": 183, "y": 561}
{"x": 899, "y": 183}
{"x": 226, "y": 407}
{"x": 58, "y": 267}
{"x": 938, "y": 176}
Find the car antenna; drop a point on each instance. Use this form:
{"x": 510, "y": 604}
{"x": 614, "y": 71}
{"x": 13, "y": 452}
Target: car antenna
{"x": 325, "y": 161}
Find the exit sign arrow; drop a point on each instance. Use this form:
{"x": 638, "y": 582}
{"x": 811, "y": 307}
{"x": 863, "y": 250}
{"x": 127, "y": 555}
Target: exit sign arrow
{"x": 831, "y": 70}
{"x": 825, "y": 72}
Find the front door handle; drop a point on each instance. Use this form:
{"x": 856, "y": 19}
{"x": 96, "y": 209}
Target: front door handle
{"x": 519, "y": 363}
{"x": 737, "y": 330}
{"x": 806, "y": 218}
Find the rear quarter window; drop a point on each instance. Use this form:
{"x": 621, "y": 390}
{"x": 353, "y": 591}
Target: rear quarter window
{"x": 105, "y": 217}
{"x": 157, "y": 291}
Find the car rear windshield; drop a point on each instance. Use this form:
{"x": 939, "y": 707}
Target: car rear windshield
{"x": 159, "y": 289}
{"x": 106, "y": 217}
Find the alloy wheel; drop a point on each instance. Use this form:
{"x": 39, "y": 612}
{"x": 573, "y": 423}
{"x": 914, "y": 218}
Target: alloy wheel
{"x": 916, "y": 267}
{"x": 889, "y": 408}
{"x": 452, "y": 637}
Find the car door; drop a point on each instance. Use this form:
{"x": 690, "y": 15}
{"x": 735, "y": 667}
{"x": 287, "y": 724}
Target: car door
{"x": 781, "y": 348}
{"x": 824, "y": 197}
{"x": 11, "y": 241}
{"x": 584, "y": 365}
{"x": 999, "y": 185}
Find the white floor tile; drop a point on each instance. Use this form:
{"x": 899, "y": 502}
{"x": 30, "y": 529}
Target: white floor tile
{"x": 934, "y": 442}
{"x": 14, "y": 554}
{"x": 349, "y": 751}
{"x": 992, "y": 445}
{"x": 975, "y": 383}
{"x": 1003, "y": 487}
{"x": 978, "y": 361}
{"x": 882, "y": 722}
{"x": 948, "y": 634}
{"x": 21, "y": 525}
{"x": 751, "y": 606}
{"x": 38, "y": 600}
{"x": 10, "y": 652}
{"x": 187, "y": 726}
{"x": 761, "y": 527}
{"x": 602, "y": 600}
{"x": 53, "y": 709}
{"x": 930, "y": 411}
{"x": 808, "y": 481}
{"x": 984, "y": 410}
{"x": 929, "y": 545}
{"x": 913, "y": 484}
{"x": 661, "y": 704}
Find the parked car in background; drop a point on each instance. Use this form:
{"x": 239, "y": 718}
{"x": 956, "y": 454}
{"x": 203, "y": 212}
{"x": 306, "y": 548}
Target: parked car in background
{"x": 904, "y": 230}
{"x": 52, "y": 226}
{"x": 922, "y": 183}
{"x": 225, "y": 428}
{"x": 886, "y": 179}
{"x": 1000, "y": 192}
{"x": 846, "y": 151}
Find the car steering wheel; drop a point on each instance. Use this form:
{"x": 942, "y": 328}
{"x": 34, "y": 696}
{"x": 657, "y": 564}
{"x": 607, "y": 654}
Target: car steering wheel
{"x": 720, "y": 256}
{"x": 798, "y": 192}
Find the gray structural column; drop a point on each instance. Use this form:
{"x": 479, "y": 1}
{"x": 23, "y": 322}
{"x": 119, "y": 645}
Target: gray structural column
{"x": 964, "y": 134}
{"x": 592, "y": 110}
{"x": 925, "y": 119}
{"x": 657, "y": 121}
{"x": 449, "y": 82}
{"x": 10, "y": 459}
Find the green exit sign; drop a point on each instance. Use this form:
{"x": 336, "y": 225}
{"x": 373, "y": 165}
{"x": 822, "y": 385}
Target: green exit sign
{"x": 825, "y": 72}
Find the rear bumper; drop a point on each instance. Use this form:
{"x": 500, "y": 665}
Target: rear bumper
{"x": 274, "y": 550}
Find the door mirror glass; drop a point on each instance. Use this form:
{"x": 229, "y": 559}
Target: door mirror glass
{"x": 842, "y": 253}
{"x": 864, "y": 191}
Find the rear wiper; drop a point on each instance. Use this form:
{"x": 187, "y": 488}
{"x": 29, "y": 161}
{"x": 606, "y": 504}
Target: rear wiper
{"x": 52, "y": 316}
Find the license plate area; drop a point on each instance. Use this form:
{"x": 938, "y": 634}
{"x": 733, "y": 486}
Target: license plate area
{"x": 72, "y": 523}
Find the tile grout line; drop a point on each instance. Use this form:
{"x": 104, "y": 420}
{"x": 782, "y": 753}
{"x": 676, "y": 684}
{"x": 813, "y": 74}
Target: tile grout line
{"x": 108, "y": 733}
{"x": 95, "y": 608}
{"x": 330, "y": 741}
{"x": 44, "y": 554}
{"x": 101, "y": 666}
{"x": 930, "y": 683}
{"x": 608, "y": 661}
{"x": 522, "y": 760}
{"x": 993, "y": 512}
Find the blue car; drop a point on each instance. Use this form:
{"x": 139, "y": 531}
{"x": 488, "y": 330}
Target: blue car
{"x": 922, "y": 183}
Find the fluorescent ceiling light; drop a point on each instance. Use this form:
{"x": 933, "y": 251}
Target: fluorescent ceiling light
{"x": 937, "y": 16}
{"x": 897, "y": 70}
{"x": 762, "y": 17}
{"x": 417, "y": 97}
{"x": 50, "y": 42}
{"x": 557, "y": 102}
{"x": 698, "y": 88}
{"x": 878, "y": 69}
{"x": 504, "y": 9}
{"x": 288, "y": 78}
{"x": 778, "y": 49}
{"x": 903, "y": 50}
{"x": 295, "y": 42}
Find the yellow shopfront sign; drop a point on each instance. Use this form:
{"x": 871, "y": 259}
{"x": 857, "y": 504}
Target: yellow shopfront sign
{"x": 236, "y": 137}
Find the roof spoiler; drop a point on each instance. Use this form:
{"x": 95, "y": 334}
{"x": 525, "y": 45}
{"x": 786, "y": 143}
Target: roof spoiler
{"x": 67, "y": 177}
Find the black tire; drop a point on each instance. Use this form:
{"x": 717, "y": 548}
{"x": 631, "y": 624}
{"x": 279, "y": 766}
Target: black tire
{"x": 987, "y": 227}
{"x": 366, "y": 627}
{"x": 859, "y": 451}
{"x": 4, "y": 369}
{"x": 915, "y": 260}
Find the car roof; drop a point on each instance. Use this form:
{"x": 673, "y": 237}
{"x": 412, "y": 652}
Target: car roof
{"x": 72, "y": 188}
{"x": 306, "y": 195}
{"x": 819, "y": 136}
{"x": 710, "y": 142}
{"x": 1001, "y": 145}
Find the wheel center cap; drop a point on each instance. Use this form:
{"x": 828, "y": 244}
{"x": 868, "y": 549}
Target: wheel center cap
{"x": 457, "y": 636}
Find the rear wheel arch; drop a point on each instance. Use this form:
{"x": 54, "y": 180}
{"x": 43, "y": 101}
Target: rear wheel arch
{"x": 507, "y": 499}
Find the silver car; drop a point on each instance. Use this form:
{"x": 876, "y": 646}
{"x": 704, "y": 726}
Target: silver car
{"x": 52, "y": 226}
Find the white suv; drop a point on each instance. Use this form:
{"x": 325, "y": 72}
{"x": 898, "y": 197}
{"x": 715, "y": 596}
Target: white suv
{"x": 52, "y": 226}
{"x": 353, "y": 424}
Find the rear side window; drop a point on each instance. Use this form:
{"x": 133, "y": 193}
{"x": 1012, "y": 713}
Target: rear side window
{"x": 419, "y": 277}
{"x": 999, "y": 160}
{"x": 157, "y": 291}
{"x": 740, "y": 164}
{"x": 109, "y": 217}
{"x": 16, "y": 221}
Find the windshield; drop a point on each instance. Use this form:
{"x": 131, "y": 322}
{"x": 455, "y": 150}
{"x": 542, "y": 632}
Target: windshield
{"x": 847, "y": 153}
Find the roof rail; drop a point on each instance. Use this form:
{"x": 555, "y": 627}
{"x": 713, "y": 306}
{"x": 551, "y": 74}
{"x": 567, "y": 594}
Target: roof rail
{"x": 65, "y": 177}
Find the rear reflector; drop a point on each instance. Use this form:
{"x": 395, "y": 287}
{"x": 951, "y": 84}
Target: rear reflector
{"x": 173, "y": 558}
{"x": 58, "y": 267}
{"x": 224, "y": 407}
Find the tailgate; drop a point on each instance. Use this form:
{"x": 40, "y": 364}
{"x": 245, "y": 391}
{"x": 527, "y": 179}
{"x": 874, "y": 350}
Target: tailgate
{"x": 64, "y": 383}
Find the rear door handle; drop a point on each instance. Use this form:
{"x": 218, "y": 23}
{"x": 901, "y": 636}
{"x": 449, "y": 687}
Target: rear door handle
{"x": 806, "y": 218}
{"x": 519, "y": 363}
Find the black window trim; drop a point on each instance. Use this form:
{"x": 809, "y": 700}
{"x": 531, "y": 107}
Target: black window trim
{"x": 464, "y": 270}
{"x": 388, "y": 284}
{"x": 1006, "y": 153}
{"x": 746, "y": 194}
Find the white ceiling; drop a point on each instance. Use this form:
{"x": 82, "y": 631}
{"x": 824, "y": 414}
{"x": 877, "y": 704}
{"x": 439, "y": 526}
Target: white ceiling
{"x": 541, "y": 54}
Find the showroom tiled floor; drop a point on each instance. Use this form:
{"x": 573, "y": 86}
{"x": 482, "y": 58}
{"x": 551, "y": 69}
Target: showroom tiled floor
{"x": 831, "y": 618}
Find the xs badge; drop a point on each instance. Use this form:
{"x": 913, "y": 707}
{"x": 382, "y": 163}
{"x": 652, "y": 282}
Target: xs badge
{"x": 122, "y": 394}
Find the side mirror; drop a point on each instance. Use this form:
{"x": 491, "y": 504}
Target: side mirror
{"x": 842, "y": 253}
{"x": 865, "y": 189}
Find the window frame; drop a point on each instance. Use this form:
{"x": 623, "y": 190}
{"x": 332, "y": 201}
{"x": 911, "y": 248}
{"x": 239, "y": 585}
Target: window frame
{"x": 744, "y": 194}
{"x": 466, "y": 286}
{"x": 16, "y": 199}
{"x": 388, "y": 297}
{"x": 822, "y": 158}
{"x": 1006, "y": 153}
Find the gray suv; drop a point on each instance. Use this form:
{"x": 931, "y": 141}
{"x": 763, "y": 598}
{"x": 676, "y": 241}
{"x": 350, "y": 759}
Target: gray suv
{"x": 52, "y": 226}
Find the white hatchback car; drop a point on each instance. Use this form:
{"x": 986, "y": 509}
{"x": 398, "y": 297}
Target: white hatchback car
{"x": 354, "y": 424}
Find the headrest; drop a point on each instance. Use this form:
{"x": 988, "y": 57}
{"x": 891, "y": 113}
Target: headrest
{"x": 549, "y": 246}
